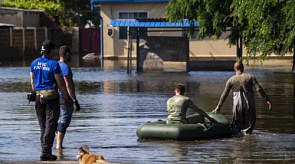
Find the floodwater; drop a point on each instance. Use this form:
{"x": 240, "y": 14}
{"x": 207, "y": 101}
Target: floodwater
{"x": 114, "y": 103}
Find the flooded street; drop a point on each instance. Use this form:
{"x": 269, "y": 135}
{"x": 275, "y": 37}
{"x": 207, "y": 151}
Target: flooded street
{"x": 114, "y": 103}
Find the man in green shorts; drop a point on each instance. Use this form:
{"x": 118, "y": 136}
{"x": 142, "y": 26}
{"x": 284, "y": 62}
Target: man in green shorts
{"x": 177, "y": 107}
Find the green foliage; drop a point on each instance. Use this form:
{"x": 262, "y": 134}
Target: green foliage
{"x": 81, "y": 12}
{"x": 266, "y": 26}
{"x": 213, "y": 16}
{"x": 271, "y": 26}
{"x": 60, "y": 13}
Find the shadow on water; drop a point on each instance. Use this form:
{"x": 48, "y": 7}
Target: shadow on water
{"x": 114, "y": 104}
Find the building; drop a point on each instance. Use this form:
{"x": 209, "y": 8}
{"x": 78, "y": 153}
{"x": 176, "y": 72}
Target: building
{"x": 20, "y": 17}
{"x": 22, "y": 35}
{"x": 115, "y": 45}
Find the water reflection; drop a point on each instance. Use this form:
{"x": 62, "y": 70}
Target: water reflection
{"x": 114, "y": 104}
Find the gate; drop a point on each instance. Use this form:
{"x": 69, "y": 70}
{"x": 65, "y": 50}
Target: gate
{"x": 90, "y": 41}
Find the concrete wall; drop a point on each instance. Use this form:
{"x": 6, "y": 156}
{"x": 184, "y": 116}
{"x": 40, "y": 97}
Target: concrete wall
{"x": 113, "y": 47}
{"x": 210, "y": 49}
{"x": 157, "y": 49}
{"x": 11, "y": 17}
{"x": 31, "y": 19}
{"x": 20, "y": 17}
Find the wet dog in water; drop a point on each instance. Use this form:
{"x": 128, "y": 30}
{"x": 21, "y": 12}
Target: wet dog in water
{"x": 86, "y": 157}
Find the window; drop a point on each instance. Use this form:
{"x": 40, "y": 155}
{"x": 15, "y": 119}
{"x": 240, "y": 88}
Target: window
{"x": 132, "y": 15}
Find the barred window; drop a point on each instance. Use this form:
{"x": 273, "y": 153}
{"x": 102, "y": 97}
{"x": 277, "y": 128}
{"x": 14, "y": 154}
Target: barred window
{"x": 132, "y": 15}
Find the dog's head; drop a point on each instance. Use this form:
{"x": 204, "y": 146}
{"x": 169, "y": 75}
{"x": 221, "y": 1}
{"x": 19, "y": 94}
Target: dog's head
{"x": 82, "y": 152}
{"x": 86, "y": 149}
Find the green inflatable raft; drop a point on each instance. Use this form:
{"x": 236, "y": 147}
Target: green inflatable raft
{"x": 159, "y": 130}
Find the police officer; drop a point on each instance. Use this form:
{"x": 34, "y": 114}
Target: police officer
{"x": 45, "y": 74}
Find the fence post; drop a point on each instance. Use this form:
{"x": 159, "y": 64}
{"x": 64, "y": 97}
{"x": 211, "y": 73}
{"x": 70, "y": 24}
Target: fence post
{"x": 10, "y": 35}
{"x": 24, "y": 46}
{"x": 24, "y": 42}
{"x": 46, "y": 32}
{"x": 128, "y": 37}
{"x": 35, "y": 37}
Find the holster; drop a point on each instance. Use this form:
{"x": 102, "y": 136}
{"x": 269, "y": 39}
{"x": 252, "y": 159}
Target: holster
{"x": 31, "y": 96}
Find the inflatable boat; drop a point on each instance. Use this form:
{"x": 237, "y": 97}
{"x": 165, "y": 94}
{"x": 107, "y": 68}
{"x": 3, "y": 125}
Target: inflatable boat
{"x": 159, "y": 130}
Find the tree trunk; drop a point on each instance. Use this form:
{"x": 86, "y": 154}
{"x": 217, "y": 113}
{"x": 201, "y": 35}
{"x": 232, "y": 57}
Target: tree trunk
{"x": 293, "y": 68}
{"x": 239, "y": 48}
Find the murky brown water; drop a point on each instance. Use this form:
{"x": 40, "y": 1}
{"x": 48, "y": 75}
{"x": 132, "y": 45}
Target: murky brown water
{"x": 114, "y": 104}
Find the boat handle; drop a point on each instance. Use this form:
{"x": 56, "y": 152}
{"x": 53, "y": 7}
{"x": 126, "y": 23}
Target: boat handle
{"x": 206, "y": 129}
{"x": 212, "y": 124}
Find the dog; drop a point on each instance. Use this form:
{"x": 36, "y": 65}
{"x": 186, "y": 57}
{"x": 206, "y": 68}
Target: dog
{"x": 85, "y": 156}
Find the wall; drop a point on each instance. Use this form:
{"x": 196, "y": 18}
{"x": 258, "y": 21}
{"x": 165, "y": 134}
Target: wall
{"x": 113, "y": 47}
{"x": 157, "y": 49}
{"x": 210, "y": 49}
{"x": 31, "y": 18}
{"x": 10, "y": 17}
{"x": 20, "y": 17}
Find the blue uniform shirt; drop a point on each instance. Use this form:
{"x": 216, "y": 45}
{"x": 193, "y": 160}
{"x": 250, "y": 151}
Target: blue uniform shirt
{"x": 66, "y": 70}
{"x": 44, "y": 70}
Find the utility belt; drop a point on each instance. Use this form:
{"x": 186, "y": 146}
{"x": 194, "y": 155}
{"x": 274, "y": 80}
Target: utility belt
{"x": 47, "y": 94}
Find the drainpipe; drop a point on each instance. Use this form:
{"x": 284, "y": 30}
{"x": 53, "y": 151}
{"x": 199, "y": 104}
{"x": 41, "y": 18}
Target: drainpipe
{"x": 101, "y": 34}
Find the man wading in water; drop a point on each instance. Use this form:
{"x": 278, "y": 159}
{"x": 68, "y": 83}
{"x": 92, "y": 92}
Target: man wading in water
{"x": 66, "y": 111}
{"x": 244, "y": 113}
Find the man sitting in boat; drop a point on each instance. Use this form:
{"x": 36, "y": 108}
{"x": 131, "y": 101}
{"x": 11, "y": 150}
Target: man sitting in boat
{"x": 177, "y": 107}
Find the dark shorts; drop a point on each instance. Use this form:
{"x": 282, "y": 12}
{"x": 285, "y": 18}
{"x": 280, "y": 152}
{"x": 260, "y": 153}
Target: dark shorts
{"x": 65, "y": 116}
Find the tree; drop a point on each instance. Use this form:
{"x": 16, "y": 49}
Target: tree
{"x": 263, "y": 26}
{"x": 61, "y": 13}
{"x": 81, "y": 13}
{"x": 271, "y": 26}
{"x": 214, "y": 17}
